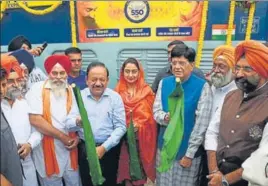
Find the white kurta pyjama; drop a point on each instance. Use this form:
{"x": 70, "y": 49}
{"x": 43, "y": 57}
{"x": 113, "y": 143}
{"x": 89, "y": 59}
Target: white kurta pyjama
{"x": 58, "y": 114}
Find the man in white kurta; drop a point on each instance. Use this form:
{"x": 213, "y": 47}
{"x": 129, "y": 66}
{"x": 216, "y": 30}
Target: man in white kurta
{"x": 57, "y": 67}
{"x": 17, "y": 111}
{"x": 222, "y": 83}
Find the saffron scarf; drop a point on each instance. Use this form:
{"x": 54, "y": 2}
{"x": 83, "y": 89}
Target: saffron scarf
{"x": 51, "y": 163}
{"x": 174, "y": 131}
{"x": 140, "y": 106}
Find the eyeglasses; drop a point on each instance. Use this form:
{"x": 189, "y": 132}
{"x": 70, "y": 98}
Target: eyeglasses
{"x": 220, "y": 67}
{"x": 246, "y": 69}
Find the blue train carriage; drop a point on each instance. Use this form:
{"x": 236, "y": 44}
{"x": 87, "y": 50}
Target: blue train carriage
{"x": 112, "y": 31}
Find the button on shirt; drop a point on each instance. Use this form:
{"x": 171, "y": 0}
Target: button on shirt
{"x": 18, "y": 119}
{"x": 211, "y": 141}
{"x": 80, "y": 80}
{"x": 106, "y": 116}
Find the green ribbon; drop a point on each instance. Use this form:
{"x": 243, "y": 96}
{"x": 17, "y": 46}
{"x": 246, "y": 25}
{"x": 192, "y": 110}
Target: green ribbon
{"x": 93, "y": 160}
{"x": 174, "y": 131}
{"x": 135, "y": 168}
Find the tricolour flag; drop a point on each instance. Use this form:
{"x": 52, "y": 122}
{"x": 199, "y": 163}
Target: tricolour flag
{"x": 219, "y": 32}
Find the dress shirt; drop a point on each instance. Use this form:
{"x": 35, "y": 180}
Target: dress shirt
{"x": 106, "y": 116}
{"x": 18, "y": 119}
{"x": 211, "y": 141}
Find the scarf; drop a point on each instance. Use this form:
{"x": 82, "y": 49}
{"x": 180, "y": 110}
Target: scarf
{"x": 51, "y": 163}
{"x": 174, "y": 131}
{"x": 140, "y": 106}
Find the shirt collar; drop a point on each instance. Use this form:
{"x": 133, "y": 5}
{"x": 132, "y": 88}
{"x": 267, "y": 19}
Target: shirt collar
{"x": 82, "y": 73}
{"x": 227, "y": 87}
{"x": 105, "y": 93}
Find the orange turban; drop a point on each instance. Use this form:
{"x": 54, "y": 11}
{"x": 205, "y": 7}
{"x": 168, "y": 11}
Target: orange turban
{"x": 227, "y": 53}
{"x": 63, "y": 60}
{"x": 256, "y": 55}
{"x": 10, "y": 63}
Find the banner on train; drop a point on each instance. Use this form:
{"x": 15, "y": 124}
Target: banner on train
{"x": 14, "y": 4}
{"x": 138, "y": 20}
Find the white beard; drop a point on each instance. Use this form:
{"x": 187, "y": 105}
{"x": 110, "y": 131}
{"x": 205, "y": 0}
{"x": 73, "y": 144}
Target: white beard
{"x": 58, "y": 90}
{"x": 220, "y": 81}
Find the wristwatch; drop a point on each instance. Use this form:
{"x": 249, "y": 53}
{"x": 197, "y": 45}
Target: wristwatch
{"x": 224, "y": 181}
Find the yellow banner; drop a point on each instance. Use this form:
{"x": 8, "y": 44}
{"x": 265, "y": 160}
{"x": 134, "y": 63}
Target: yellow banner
{"x": 14, "y": 4}
{"x": 138, "y": 20}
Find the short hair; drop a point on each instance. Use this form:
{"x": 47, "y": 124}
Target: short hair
{"x": 97, "y": 64}
{"x": 72, "y": 50}
{"x": 187, "y": 52}
{"x": 175, "y": 42}
{"x": 131, "y": 61}
{"x": 3, "y": 74}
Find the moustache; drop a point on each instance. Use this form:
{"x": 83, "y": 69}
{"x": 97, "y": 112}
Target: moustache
{"x": 58, "y": 80}
{"x": 97, "y": 86}
{"x": 216, "y": 75}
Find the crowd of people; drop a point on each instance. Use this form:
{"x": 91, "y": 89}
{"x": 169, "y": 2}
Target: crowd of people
{"x": 190, "y": 129}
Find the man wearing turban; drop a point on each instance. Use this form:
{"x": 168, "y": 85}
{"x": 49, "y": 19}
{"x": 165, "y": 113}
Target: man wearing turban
{"x": 11, "y": 172}
{"x": 16, "y": 111}
{"x": 243, "y": 123}
{"x": 222, "y": 77}
{"x": 50, "y": 102}
{"x": 21, "y": 42}
{"x": 27, "y": 64}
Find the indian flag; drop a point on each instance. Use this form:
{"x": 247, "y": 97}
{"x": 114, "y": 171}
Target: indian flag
{"x": 219, "y": 32}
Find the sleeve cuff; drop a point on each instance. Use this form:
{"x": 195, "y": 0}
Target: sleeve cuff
{"x": 189, "y": 154}
{"x": 32, "y": 143}
{"x": 212, "y": 147}
{"x": 107, "y": 145}
{"x": 162, "y": 119}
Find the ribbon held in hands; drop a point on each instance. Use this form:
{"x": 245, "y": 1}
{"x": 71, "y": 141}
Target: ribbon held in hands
{"x": 174, "y": 131}
{"x": 93, "y": 160}
{"x": 134, "y": 166}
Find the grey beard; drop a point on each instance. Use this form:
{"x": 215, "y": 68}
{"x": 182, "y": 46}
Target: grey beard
{"x": 13, "y": 94}
{"x": 221, "y": 80}
{"x": 24, "y": 88}
{"x": 58, "y": 90}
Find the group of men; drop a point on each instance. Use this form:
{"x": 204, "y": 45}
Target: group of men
{"x": 41, "y": 128}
